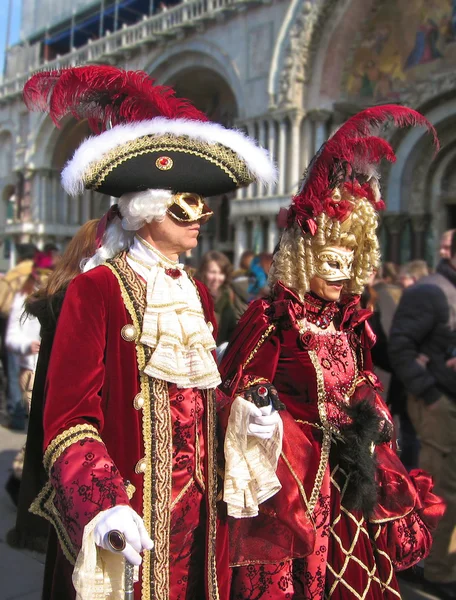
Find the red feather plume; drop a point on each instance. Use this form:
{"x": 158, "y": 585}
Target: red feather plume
{"x": 351, "y": 153}
{"x": 105, "y": 96}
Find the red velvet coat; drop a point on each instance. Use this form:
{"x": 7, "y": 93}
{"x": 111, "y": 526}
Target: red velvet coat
{"x": 109, "y": 436}
{"x": 306, "y": 518}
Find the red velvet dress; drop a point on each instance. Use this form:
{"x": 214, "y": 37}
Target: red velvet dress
{"x": 113, "y": 435}
{"x": 306, "y": 543}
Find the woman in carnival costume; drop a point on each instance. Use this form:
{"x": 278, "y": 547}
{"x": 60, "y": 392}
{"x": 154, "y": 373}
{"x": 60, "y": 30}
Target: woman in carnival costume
{"x": 129, "y": 418}
{"x": 344, "y": 514}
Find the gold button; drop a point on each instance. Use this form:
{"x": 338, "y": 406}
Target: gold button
{"x": 210, "y": 326}
{"x": 138, "y": 402}
{"x": 141, "y": 466}
{"x": 129, "y": 333}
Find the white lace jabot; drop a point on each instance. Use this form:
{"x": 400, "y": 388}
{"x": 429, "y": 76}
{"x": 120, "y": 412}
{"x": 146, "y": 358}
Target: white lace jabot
{"x": 174, "y": 325}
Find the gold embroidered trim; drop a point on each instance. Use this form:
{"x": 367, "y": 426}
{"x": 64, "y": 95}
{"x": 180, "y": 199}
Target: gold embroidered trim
{"x": 135, "y": 306}
{"x": 130, "y": 489}
{"x": 221, "y": 156}
{"x": 43, "y": 506}
{"x": 199, "y": 476}
{"x": 259, "y": 344}
{"x": 252, "y": 383}
{"x": 302, "y": 491}
{"x": 182, "y": 493}
{"x": 326, "y": 441}
{"x": 162, "y": 486}
{"x": 66, "y": 439}
{"x": 212, "y": 493}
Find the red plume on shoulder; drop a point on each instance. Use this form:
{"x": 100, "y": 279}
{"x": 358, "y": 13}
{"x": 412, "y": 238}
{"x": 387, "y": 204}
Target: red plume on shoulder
{"x": 351, "y": 154}
{"x": 105, "y": 96}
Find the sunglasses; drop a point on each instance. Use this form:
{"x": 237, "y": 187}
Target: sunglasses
{"x": 188, "y": 208}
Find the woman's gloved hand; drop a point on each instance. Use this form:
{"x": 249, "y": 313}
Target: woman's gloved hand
{"x": 127, "y": 522}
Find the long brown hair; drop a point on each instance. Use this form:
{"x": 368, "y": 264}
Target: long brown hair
{"x": 82, "y": 246}
{"x": 222, "y": 261}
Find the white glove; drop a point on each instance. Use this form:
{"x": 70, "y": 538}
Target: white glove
{"x": 262, "y": 421}
{"x": 127, "y": 521}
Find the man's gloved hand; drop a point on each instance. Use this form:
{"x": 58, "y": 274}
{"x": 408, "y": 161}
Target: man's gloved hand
{"x": 264, "y": 395}
{"x": 125, "y": 520}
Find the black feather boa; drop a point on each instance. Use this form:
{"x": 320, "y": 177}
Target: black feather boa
{"x": 356, "y": 456}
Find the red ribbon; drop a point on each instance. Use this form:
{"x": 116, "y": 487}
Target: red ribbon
{"x": 105, "y": 221}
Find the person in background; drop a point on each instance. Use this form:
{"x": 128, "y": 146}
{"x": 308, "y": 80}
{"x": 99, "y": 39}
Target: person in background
{"x": 240, "y": 283}
{"x": 411, "y": 272}
{"x": 425, "y": 324}
{"x": 23, "y": 339}
{"x": 215, "y": 272}
{"x": 53, "y": 250}
{"x": 409, "y": 445}
{"x": 445, "y": 244}
{"x": 10, "y": 284}
{"x": 259, "y": 270}
{"x": 44, "y": 305}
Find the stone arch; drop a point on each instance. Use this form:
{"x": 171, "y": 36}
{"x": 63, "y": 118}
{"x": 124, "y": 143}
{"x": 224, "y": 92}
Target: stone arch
{"x": 198, "y": 55}
{"x": 295, "y": 50}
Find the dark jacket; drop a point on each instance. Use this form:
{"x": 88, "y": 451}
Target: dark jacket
{"x": 425, "y": 323}
{"x": 31, "y": 531}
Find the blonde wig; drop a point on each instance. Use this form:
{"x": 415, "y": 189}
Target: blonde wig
{"x": 294, "y": 261}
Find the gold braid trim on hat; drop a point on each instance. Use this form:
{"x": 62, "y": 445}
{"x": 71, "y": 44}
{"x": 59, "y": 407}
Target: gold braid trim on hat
{"x": 220, "y": 155}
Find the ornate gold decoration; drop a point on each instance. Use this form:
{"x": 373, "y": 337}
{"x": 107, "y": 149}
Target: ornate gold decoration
{"x": 328, "y": 429}
{"x": 260, "y": 342}
{"x": 224, "y": 158}
{"x": 138, "y": 402}
{"x": 67, "y": 438}
{"x": 157, "y": 442}
{"x": 141, "y": 466}
{"x": 213, "y": 591}
{"x": 164, "y": 163}
{"x": 129, "y": 333}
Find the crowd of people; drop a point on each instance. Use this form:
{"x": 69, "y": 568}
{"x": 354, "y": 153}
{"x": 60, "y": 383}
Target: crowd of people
{"x": 217, "y": 433}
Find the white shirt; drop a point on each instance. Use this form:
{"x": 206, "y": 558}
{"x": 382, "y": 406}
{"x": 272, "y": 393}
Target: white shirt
{"x": 21, "y": 331}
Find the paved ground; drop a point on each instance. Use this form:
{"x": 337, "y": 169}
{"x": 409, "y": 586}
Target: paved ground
{"x": 21, "y": 572}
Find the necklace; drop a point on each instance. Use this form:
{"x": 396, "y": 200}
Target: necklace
{"x": 319, "y": 312}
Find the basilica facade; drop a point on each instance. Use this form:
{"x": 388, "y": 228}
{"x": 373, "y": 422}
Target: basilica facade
{"x": 288, "y": 72}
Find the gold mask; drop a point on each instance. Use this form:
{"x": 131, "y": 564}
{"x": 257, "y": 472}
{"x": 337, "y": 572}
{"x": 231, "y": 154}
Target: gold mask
{"x": 188, "y": 208}
{"x": 334, "y": 263}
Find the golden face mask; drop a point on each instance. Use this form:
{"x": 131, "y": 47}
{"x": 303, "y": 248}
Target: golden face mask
{"x": 188, "y": 208}
{"x": 334, "y": 263}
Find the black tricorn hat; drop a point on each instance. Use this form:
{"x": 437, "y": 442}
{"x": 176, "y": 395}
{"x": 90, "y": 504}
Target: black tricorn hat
{"x": 146, "y": 138}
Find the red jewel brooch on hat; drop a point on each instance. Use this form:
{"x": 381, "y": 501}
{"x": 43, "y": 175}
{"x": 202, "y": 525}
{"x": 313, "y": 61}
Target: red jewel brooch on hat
{"x": 174, "y": 273}
{"x": 164, "y": 163}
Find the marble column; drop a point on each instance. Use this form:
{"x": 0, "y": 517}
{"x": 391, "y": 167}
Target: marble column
{"x": 394, "y": 224}
{"x": 273, "y": 234}
{"x": 272, "y": 151}
{"x": 282, "y": 156}
{"x": 420, "y": 224}
{"x": 261, "y": 189}
{"x": 240, "y": 239}
{"x": 295, "y": 153}
{"x": 251, "y": 133}
{"x": 319, "y": 120}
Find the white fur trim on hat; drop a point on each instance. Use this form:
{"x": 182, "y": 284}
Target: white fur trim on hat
{"x": 91, "y": 150}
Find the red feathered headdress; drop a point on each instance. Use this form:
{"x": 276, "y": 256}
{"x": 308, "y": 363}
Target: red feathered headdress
{"x": 147, "y": 138}
{"x": 105, "y": 96}
{"x": 348, "y": 162}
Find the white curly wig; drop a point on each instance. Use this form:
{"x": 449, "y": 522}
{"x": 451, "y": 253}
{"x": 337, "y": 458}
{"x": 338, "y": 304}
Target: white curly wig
{"x": 137, "y": 209}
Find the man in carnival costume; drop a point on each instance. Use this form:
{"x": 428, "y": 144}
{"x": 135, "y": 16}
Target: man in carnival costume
{"x": 129, "y": 421}
{"x": 345, "y": 513}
